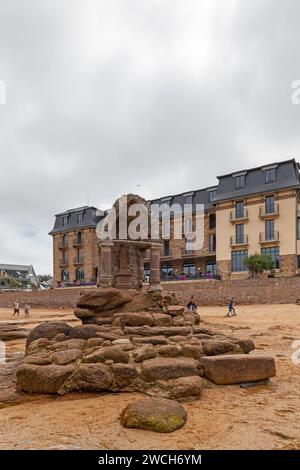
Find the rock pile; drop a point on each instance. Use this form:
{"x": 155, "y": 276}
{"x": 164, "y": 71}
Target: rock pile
{"x": 158, "y": 349}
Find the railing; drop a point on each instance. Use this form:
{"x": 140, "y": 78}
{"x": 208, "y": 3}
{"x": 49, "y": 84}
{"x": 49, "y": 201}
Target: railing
{"x": 185, "y": 252}
{"x": 63, "y": 263}
{"x": 62, "y": 245}
{"x": 265, "y": 237}
{"x": 242, "y": 240}
{"x": 77, "y": 242}
{"x": 272, "y": 211}
{"x": 189, "y": 277}
{"x": 236, "y": 216}
{"x": 76, "y": 284}
{"x": 78, "y": 260}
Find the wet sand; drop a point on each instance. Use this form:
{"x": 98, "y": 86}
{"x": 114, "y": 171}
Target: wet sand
{"x": 263, "y": 417}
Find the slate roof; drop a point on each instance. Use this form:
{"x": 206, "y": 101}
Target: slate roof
{"x": 287, "y": 176}
{"x": 90, "y": 218}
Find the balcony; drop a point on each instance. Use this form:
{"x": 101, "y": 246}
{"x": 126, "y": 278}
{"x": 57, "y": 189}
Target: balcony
{"x": 78, "y": 260}
{"x": 269, "y": 212}
{"x": 62, "y": 245}
{"x": 238, "y": 217}
{"x": 64, "y": 263}
{"x": 187, "y": 253}
{"x": 269, "y": 237}
{"x": 239, "y": 241}
{"x": 76, "y": 242}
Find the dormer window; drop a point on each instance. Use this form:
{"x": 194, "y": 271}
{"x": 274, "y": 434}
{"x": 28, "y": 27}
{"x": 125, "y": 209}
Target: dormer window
{"x": 188, "y": 199}
{"x": 212, "y": 195}
{"x": 270, "y": 175}
{"x": 65, "y": 220}
{"x": 239, "y": 182}
{"x": 79, "y": 217}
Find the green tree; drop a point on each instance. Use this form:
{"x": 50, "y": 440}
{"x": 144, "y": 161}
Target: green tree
{"x": 9, "y": 281}
{"x": 44, "y": 277}
{"x": 259, "y": 263}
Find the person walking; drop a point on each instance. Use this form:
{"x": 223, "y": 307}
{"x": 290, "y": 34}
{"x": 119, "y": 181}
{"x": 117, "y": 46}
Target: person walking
{"x": 16, "y": 309}
{"x": 231, "y": 309}
{"x": 27, "y": 310}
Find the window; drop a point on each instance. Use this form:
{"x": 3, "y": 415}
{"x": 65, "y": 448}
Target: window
{"x": 79, "y": 238}
{"x": 189, "y": 269}
{"x": 79, "y": 217}
{"x": 65, "y": 275}
{"x": 298, "y": 262}
{"x": 298, "y": 228}
{"x": 239, "y": 209}
{"x": 146, "y": 270}
{"x": 79, "y": 256}
{"x": 212, "y": 242}
{"x": 212, "y": 195}
{"x": 65, "y": 240}
{"x": 65, "y": 257}
{"x": 212, "y": 221}
{"x": 270, "y": 204}
{"x": 166, "y": 229}
{"x": 188, "y": 225}
{"x": 274, "y": 253}
{"x": 166, "y": 248}
{"x": 211, "y": 268}
{"x": 270, "y": 175}
{"x": 239, "y": 233}
{"x": 65, "y": 220}
{"x": 79, "y": 274}
{"x": 239, "y": 182}
{"x": 189, "y": 247}
{"x": 237, "y": 260}
{"x": 166, "y": 271}
{"x": 188, "y": 199}
{"x": 269, "y": 228}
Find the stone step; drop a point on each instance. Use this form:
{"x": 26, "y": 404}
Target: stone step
{"x": 236, "y": 369}
{"x": 157, "y": 331}
{"x": 164, "y": 368}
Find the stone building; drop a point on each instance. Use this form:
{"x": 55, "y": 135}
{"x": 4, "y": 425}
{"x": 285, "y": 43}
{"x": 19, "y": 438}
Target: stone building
{"x": 250, "y": 211}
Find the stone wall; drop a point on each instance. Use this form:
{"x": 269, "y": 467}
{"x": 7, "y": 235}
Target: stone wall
{"x": 205, "y": 292}
{"x": 244, "y": 291}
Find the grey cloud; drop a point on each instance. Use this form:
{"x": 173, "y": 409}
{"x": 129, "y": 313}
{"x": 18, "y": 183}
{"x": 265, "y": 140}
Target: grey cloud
{"x": 102, "y": 96}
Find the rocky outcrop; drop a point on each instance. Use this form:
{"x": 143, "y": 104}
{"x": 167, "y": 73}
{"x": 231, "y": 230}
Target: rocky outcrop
{"x": 236, "y": 369}
{"x": 154, "y": 414}
{"x": 161, "y": 351}
{"x": 11, "y": 333}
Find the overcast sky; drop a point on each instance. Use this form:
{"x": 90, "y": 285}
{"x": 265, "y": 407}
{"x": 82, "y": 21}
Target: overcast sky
{"x": 105, "y": 95}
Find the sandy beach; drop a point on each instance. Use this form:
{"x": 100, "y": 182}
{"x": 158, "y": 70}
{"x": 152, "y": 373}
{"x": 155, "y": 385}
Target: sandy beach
{"x": 230, "y": 417}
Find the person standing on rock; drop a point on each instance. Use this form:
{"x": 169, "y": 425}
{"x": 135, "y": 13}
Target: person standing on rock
{"x": 16, "y": 309}
{"x": 191, "y": 305}
{"x": 27, "y": 310}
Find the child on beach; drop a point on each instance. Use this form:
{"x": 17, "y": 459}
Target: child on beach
{"x": 27, "y": 310}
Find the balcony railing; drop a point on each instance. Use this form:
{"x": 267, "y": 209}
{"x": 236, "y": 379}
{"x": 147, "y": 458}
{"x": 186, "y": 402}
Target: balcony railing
{"x": 77, "y": 242}
{"x": 272, "y": 211}
{"x": 63, "y": 263}
{"x": 62, "y": 245}
{"x": 186, "y": 252}
{"x": 238, "y": 216}
{"x": 78, "y": 260}
{"x": 269, "y": 237}
{"x": 188, "y": 277}
{"x": 237, "y": 241}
